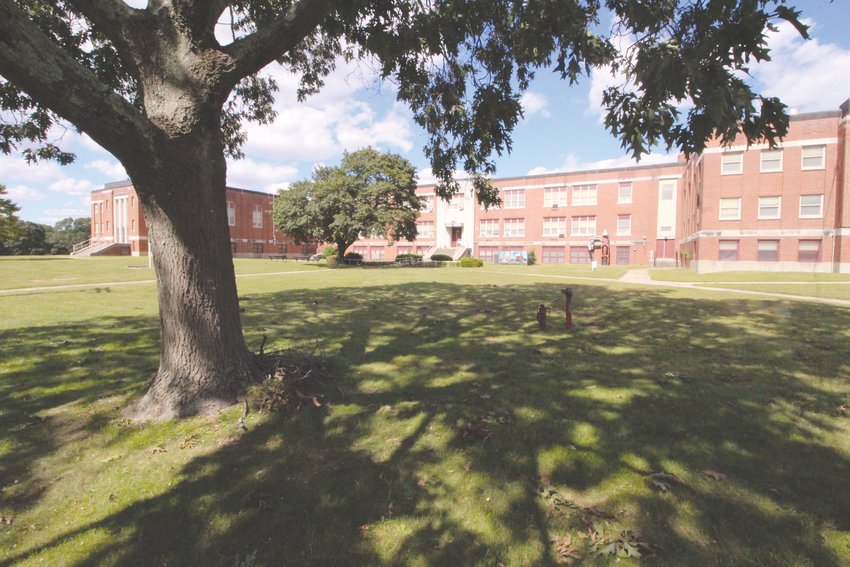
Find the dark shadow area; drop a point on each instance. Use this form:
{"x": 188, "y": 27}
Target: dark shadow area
{"x": 390, "y": 473}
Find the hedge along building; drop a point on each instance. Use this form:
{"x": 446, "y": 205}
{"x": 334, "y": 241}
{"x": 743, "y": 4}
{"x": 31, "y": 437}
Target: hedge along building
{"x": 118, "y": 225}
{"x": 733, "y": 208}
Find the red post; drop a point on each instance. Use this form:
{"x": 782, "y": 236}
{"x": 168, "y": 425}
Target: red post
{"x": 568, "y": 317}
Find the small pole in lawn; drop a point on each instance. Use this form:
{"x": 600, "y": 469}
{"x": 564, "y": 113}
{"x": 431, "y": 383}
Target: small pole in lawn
{"x": 541, "y": 316}
{"x": 568, "y": 316}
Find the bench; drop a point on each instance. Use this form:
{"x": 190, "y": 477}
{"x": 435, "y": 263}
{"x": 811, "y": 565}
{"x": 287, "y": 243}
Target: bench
{"x": 277, "y": 257}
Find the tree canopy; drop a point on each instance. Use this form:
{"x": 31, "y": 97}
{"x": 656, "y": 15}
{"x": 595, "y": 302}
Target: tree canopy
{"x": 166, "y": 95}
{"x": 8, "y": 220}
{"x": 368, "y": 193}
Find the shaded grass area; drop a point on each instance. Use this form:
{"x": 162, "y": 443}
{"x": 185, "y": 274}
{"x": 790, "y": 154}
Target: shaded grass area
{"x": 575, "y": 270}
{"x": 43, "y": 271}
{"x": 685, "y": 275}
{"x": 386, "y": 472}
{"x": 821, "y": 290}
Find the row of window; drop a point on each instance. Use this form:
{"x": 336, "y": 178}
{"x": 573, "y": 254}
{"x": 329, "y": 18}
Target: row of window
{"x": 770, "y": 208}
{"x": 257, "y": 218}
{"x": 552, "y": 226}
{"x": 813, "y": 157}
{"x": 558, "y": 254}
{"x": 552, "y": 197}
{"x": 768, "y": 250}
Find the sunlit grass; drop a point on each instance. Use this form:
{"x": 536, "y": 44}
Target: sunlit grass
{"x": 683, "y": 275}
{"x": 446, "y": 410}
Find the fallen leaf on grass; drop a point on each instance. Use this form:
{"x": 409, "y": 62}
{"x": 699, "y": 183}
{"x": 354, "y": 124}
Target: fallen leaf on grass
{"x": 592, "y": 511}
{"x": 663, "y": 481}
{"x": 159, "y": 449}
{"x": 714, "y": 474}
{"x": 5, "y": 520}
{"x": 567, "y": 554}
{"x": 627, "y": 545}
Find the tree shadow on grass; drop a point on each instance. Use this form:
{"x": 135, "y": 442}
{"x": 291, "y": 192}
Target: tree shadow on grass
{"x": 453, "y": 409}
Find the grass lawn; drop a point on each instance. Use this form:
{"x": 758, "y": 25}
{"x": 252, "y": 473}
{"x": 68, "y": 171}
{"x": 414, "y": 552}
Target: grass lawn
{"x": 46, "y": 271}
{"x": 683, "y": 275}
{"x": 821, "y": 290}
{"x": 453, "y": 432}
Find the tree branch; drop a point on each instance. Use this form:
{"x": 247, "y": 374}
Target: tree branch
{"x": 257, "y": 50}
{"x": 35, "y": 64}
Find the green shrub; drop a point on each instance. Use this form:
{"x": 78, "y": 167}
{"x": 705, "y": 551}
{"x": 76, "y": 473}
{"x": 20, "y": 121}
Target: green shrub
{"x": 532, "y": 258}
{"x": 471, "y": 263}
{"x": 329, "y": 251}
{"x": 411, "y": 256}
{"x": 353, "y": 256}
{"x": 441, "y": 258}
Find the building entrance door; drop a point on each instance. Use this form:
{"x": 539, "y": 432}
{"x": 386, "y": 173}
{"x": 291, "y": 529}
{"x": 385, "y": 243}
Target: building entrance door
{"x": 457, "y": 232}
{"x": 119, "y": 208}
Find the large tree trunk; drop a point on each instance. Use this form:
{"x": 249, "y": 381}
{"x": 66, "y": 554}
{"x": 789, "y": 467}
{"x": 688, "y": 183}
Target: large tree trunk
{"x": 204, "y": 362}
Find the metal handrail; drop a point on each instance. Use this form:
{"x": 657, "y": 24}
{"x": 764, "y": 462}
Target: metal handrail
{"x": 81, "y": 246}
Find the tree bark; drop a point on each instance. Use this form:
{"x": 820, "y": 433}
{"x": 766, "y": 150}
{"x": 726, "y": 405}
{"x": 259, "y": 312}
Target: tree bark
{"x": 204, "y": 362}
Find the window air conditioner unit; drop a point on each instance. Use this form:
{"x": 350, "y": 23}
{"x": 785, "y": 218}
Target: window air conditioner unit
{"x": 554, "y": 205}
{"x": 562, "y": 236}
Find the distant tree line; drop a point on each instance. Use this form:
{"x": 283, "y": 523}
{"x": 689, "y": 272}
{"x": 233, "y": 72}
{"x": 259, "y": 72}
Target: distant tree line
{"x": 23, "y": 238}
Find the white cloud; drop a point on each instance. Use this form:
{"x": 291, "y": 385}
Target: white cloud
{"x": 534, "y": 103}
{"x": 573, "y": 163}
{"x": 52, "y": 216}
{"x": 804, "y": 74}
{"x": 19, "y": 193}
{"x": 259, "y": 176}
{"x": 113, "y": 170}
{"x": 14, "y": 168}
{"x": 76, "y": 187}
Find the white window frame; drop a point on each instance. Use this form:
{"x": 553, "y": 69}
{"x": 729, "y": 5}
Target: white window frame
{"x": 821, "y": 157}
{"x": 513, "y": 227}
{"x": 513, "y": 198}
{"x": 763, "y": 204}
{"x": 773, "y": 157}
{"x": 420, "y": 233}
{"x": 554, "y": 226}
{"x": 621, "y": 198}
{"x": 720, "y": 208}
{"x": 554, "y": 197}
{"x": 762, "y": 246}
{"x": 257, "y": 217}
{"x": 427, "y": 204}
{"x": 624, "y": 229}
{"x": 584, "y": 195}
{"x": 488, "y": 227}
{"x": 728, "y": 246}
{"x": 231, "y": 213}
{"x": 584, "y": 225}
{"x": 819, "y": 215}
{"x": 730, "y": 166}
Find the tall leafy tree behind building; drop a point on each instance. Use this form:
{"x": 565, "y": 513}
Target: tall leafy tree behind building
{"x": 368, "y": 193}
{"x": 156, "y": 88}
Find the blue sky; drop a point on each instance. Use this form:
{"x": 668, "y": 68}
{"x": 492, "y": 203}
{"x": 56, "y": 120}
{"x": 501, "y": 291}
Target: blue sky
{"x": 562, "y": 129}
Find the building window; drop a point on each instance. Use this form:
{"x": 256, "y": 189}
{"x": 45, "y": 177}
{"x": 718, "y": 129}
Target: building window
{"x": 584, "y": 195}
{"x": 667, "y": 188}
{"x": 427, "y": 204}
{"x": 362, "y": 250}
{"x": 555, "y": 226}
{"x": 554, "y": 197}
{"x": 404, "y": 250}
{"x": 376, "y": 253}
{"x": 814, "y": 157}
{"x": 768, "y": 250}
{"x": 514, "y": 227}
{"x": 623, "y": 255}
{"x": 811, "y": 206}
{"x": 732, "y": 163}
{"x": 579, "y": 255}
{"x": 422, "y": 249}
{"x": 808, "y": 251}
{"x": 554, "y": 255}
{"x": 583, "y": 226}
{"x": 425, "y": 229}
{"x": 728, "y": 250}
{"x": 513, "y": 199}
{"x": 624, "y": 193}
{"x": 258, "y": 216}
{"x": 232, "y": 247}
{"x": 488, "y": 253}
{"x": 456, "y": 202}
{"x": 769, "y": 207}
{"x": 258, "y": 248}
{"x": 488, "y": 227}
{"x": 231, "y": 213}
{"x": 624, "y": 225}
{"x": 771, "y": 160}
{"x": 730, "y": 209}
